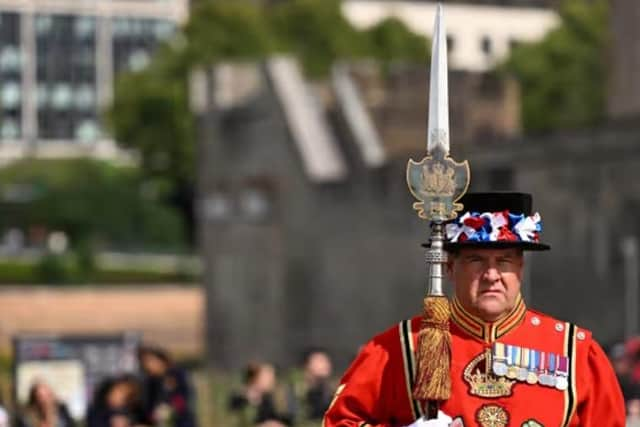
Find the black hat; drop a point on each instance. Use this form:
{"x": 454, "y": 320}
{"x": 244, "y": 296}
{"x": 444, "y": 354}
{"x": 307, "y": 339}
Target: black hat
{"x": 497, "y": 220}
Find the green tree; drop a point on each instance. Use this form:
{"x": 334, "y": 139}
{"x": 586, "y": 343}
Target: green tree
{"x": 562, "y": 77}
{"x": 93, "y": 202}
{"x": 317, "y": 33}
{"x": 150, "y": 113}
{"x": 390, "y": 40}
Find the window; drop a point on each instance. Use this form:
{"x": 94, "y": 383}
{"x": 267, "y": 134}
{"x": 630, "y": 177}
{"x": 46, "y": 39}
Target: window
{"x": 217, "y": 206}
{"x": 163, "y": 30}
{"x": 85, "y": 27}
{"x": 138, "y": 60}
{"x": 42, "y": 96}
{"x": 44, "y": 23}
{"x": 451, "y": 43}
{"x": 87, "y": 131}
{"x": 10, "y": 59}
{"x": 9, "y": 129}
{"x": 254, "y": 203}
{"x": 486, "y": 45}
{"x": 61, "y": 96}
{"x": 84, "y": 97}
{"x": 10, "y": 95}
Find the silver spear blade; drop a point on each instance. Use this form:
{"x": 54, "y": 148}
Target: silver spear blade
{"x": 438, "y": 128}
{"x": 438, "y": 181}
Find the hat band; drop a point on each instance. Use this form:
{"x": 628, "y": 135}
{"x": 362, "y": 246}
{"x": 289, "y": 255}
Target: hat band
{"x": 494, "y": 227}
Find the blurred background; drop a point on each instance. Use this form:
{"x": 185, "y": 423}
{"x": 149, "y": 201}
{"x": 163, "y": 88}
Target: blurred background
{"x": 203, "y": 205}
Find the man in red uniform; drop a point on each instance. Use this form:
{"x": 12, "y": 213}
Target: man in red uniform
{"x": 510, "y": 365}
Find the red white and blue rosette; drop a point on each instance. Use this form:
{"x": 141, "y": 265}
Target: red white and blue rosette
{"x": 497, "y": 229}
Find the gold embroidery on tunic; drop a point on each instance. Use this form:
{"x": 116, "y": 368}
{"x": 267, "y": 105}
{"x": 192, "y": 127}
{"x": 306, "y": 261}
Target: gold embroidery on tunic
{"x": 481, "y": 380}
{"x": 492, "y": 416}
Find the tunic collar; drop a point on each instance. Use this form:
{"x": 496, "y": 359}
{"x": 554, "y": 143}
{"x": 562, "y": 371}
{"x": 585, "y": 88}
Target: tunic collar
{"x": 487, "y": 331}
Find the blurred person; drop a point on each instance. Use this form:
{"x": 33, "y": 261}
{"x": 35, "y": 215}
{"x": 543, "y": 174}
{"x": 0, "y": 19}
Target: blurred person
{"x": 43, "y": 409}
{"x": 314, "y": 391}
{"x": 623, "y": 364}
{"x": 168, "y": 393}
{"x": 509, "y": 365}
{"x": 632, "y": 352}
{"x": 261, "y": 402}
{"x": 633, "y": 412}
{"x": 4, "y": 414}
{"x": 117, "y": 402}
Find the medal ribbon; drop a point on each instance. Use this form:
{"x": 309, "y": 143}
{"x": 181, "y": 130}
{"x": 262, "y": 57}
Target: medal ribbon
{"x": 498, "y": 351}
{"x": 534, "y": 360}
{"x": 524, "y": 358}
{"x": 563, "y": 366}
{"x": 552, "y": 364}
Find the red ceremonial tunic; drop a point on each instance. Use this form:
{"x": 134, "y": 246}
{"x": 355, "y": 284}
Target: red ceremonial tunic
{"x": 376, "y": 389}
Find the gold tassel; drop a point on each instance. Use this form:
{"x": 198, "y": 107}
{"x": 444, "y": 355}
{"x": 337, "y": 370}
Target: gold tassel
{"x": 433, "y": 383}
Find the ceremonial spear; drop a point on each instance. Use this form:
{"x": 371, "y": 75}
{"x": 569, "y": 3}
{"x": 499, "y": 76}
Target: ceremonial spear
{"x": 438, "y": 182}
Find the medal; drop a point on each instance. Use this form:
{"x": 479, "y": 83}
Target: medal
{"x": 523, "y": 371}
{"x": 562, "y": 383}
{"x": 562, "y": 373}
{"x": 513, "y": 354}
{"x": 542, "y": 376}
{"x": 534, "y": 359}
{"x": 551, "y": 370}
{"x": 547, "y": 369}
{"x": 499, "y": 358}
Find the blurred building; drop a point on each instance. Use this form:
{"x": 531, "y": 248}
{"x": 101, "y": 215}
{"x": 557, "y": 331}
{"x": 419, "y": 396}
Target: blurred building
{"x": 58, "y": 62}
{"x": 479, "y": 33}
{"x": 624, "y": 60}
{"x": 307, "y": 227}
{"x": 306, "y": 224}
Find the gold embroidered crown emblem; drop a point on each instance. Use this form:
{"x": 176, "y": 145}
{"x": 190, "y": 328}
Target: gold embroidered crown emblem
{"x": 482, "y": 382}
{"x": 439, "y": 180}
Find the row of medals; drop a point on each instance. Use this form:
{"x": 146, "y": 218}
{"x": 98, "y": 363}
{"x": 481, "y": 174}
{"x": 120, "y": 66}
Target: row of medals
{"x": 532, "y": 366}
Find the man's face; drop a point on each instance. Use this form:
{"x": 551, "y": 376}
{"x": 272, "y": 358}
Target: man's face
{"x": 487, "y": 281}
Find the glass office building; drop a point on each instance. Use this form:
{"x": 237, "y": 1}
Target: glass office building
{"x": 59, "y": 60}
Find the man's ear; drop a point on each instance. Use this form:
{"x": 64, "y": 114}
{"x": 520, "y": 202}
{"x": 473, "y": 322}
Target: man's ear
{"x": 449, "y": 266}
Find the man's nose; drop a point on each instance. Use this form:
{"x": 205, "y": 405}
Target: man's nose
{"x": 492, "y": 274}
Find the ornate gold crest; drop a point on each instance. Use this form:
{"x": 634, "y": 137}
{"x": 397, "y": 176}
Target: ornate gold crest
{"x": 438, "y": 182}
{"x": 492, "y": 416}
{"x": 481, "y": 380}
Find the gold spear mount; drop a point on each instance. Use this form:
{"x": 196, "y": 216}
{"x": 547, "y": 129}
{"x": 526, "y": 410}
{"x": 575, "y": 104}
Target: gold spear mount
{"x": 438, "y": 182}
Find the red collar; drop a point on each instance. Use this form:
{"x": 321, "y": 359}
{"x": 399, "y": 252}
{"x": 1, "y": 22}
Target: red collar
{"x": 487, "y": 331}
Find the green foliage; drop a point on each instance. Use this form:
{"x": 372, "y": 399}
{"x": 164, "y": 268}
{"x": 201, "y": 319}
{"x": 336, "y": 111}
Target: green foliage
{"x": 228, "y": 31}
{"x": 562, "y": 77}
{"x": 93, "y": 202}
{"x": 151, "y": 112}
{"x": 53, "y": 269}
{"x": 390, "y": 40}
{"x": 317, "y": 33}
{"x": 67, "y": 269}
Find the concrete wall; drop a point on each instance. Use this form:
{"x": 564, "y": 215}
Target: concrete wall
{"x": 624, "y": 60}
{"x": 586, "y": 187}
